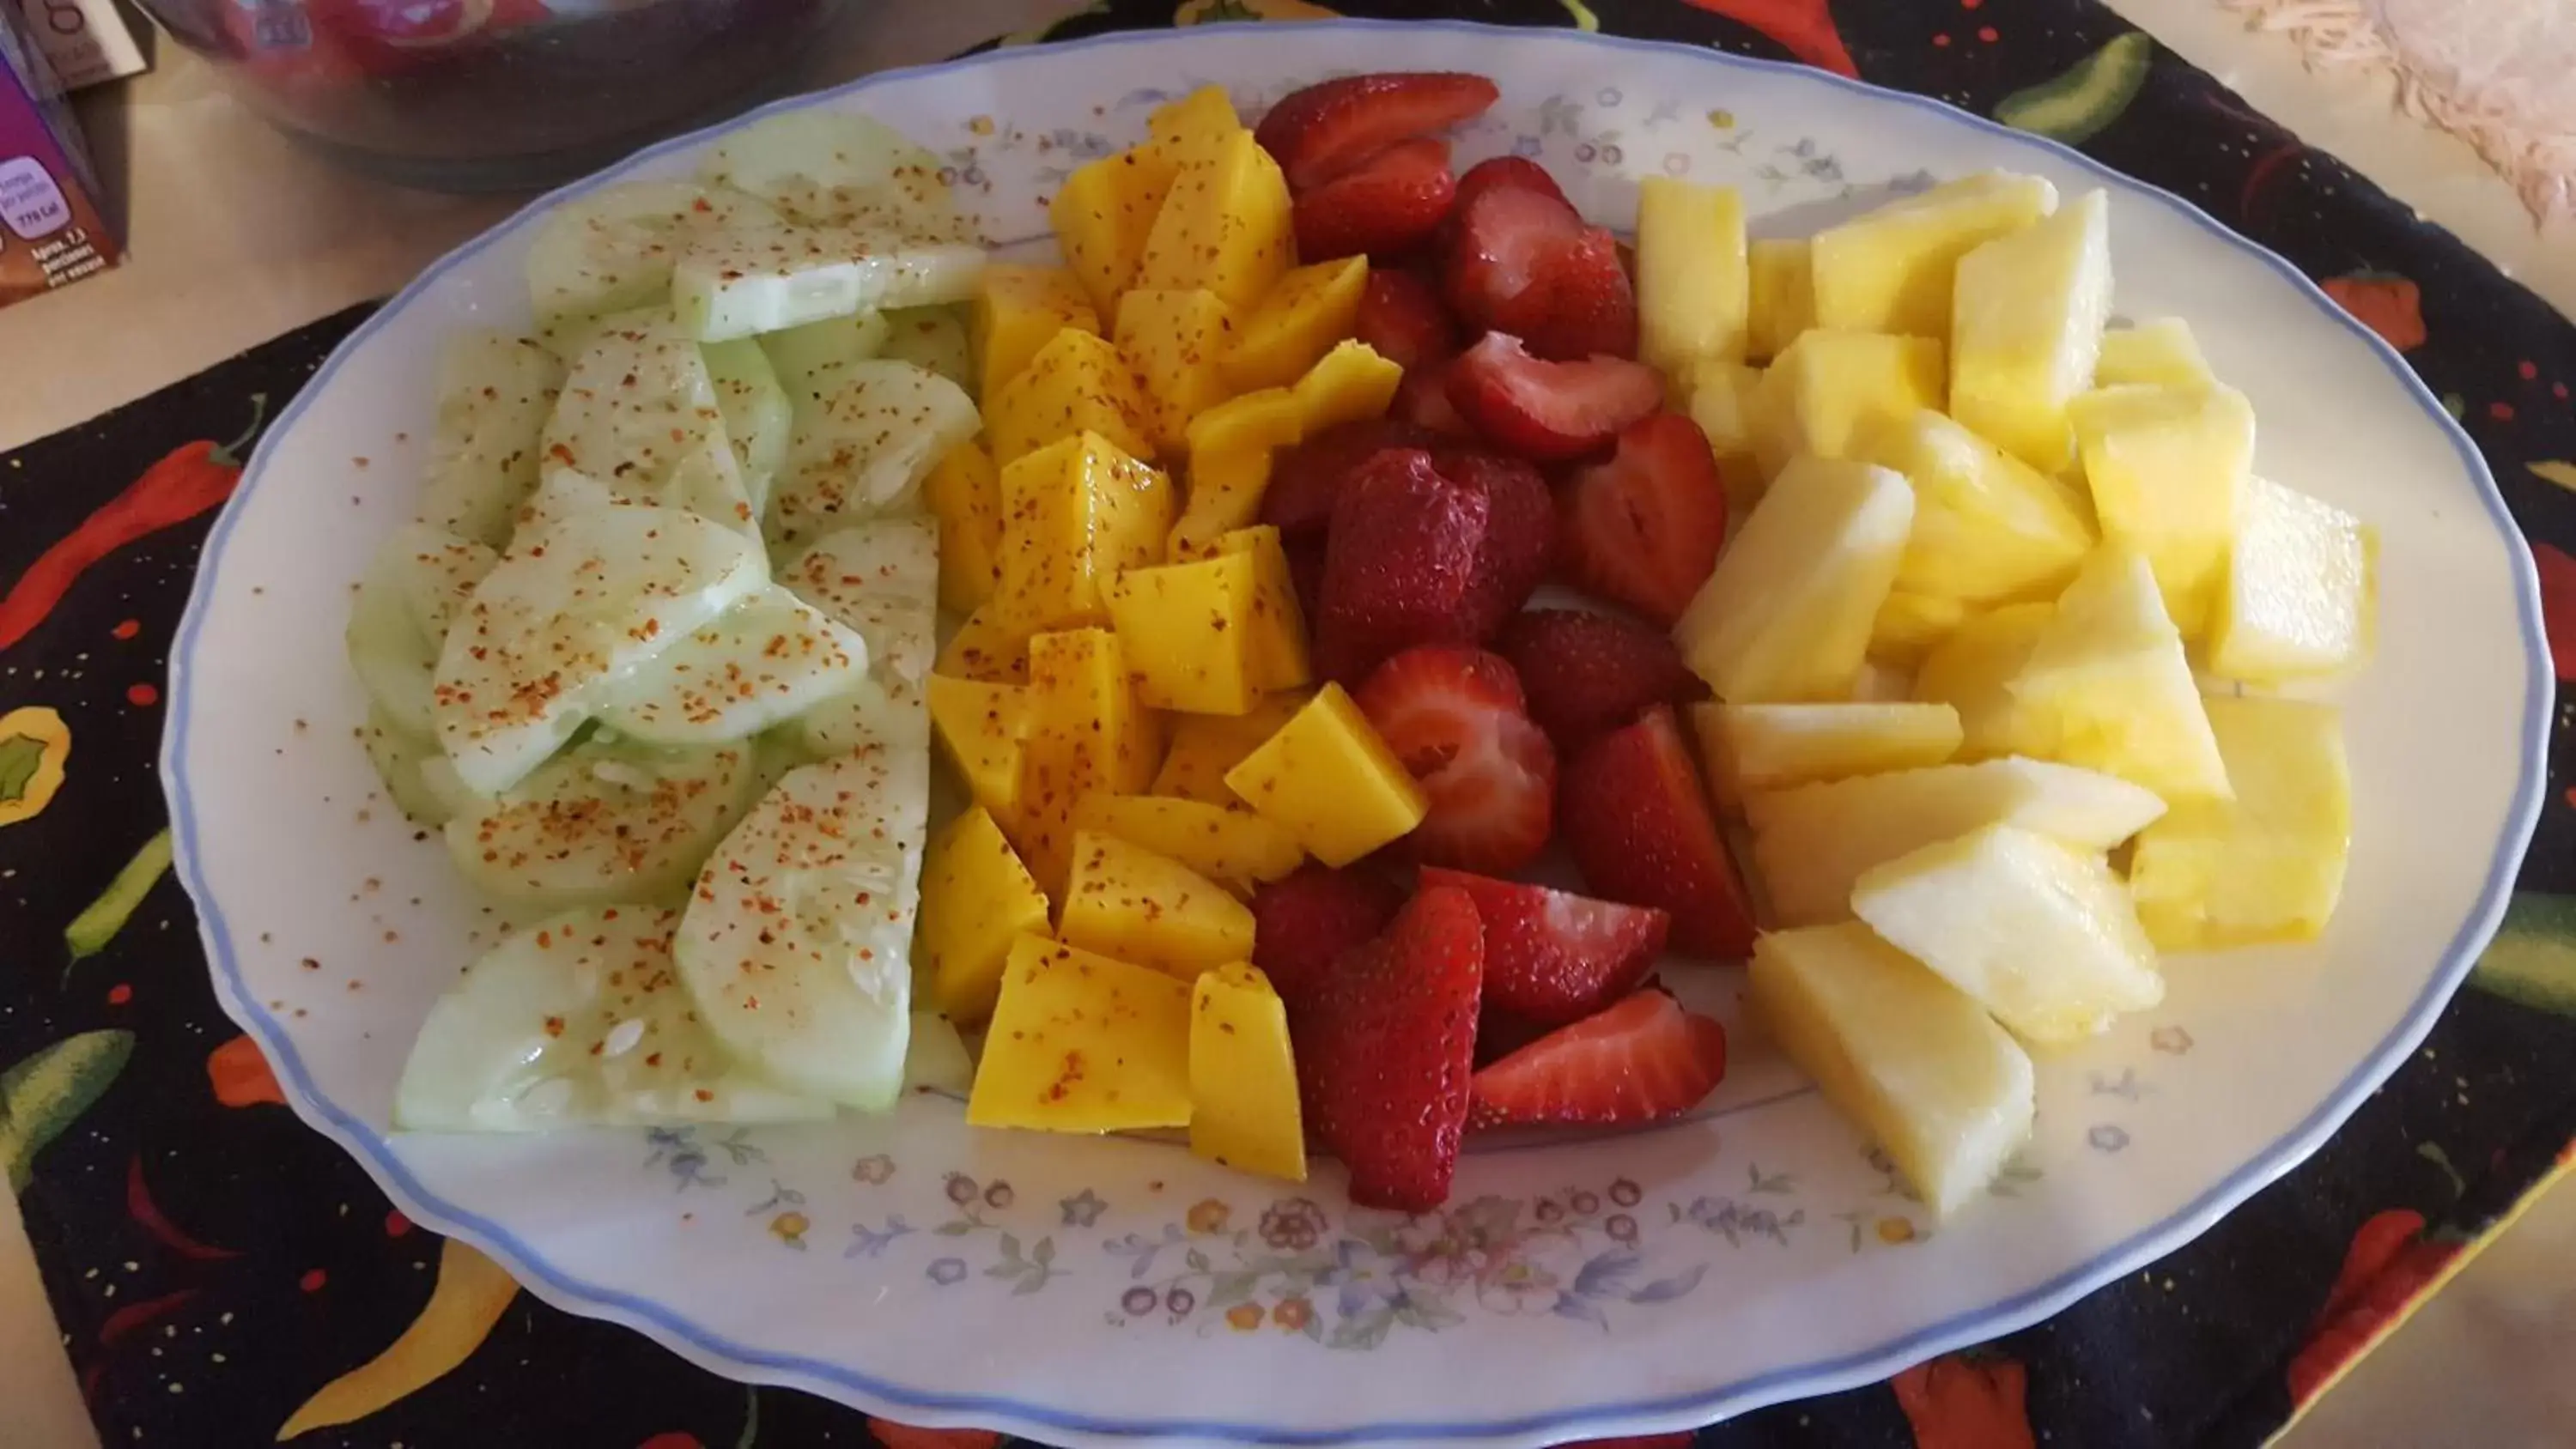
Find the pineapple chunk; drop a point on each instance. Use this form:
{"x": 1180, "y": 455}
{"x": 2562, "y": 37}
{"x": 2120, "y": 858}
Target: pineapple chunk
{"x": 1150, "y": 909}
{"x": 1693, "y": 291}
{"x": 1987, "y": 526}
{"x": 2168, "y": 469}
{"x": 1972, "y": 671}
{"x": 1176, "y": 341}
{"x": 1721, "y": 401}
{"x": 1075, "y": 514}
{"x": 1206, "y": 746}
{"x": 1921, "y": 1068}
{"x": 2268, "y": 865}
{"x": 2042, "y": 935}
{"x": 1329, "y": 779}
{"x": 976, "y": 899}
{"x": 2026, "y": 328}
{"x": 2107, "y": 680}
{"x": 1787, "y": 614}
{"x": 1812, "y": 842}
{"x": 1758, "y": 747}
{"x": 2162, "y": 353}
{"x": 2299, "y": 597}
{"x": 1018, "y": 309}
{"x": 1832, "y": 391}
{"x": 1891, "y": 270}
{"x": 1909, "y": 624}
{"x": 1243, "y": 1077}
{"x": 965, "y": 494}
{"x": 1083, "y": 1043}
{"x": 1102, "y": 215}
{"x": 1233, "y": 847}
{"x": 1297, "y": 322}
{"x": 1783, "y": 296}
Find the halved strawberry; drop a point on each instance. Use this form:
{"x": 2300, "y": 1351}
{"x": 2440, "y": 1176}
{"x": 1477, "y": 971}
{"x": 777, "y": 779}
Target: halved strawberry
{"x": 1636, "y": 819}
{"x": 1642, "y": 1060}
{"x": 1522, "y": 261}
{"x": 1553, "y": 956}
{"x": 1306, "y": 476}
{"x": 1518, "y": 172}
{"x": 1520, "y": 529}
{"x": 1582, "y": 304}
{"x": 1399, "y": 564}
{"x": 1586, "y": 672}
{"x": 1304, "y": 922}
{"x": 1644, "y": 527}
{"x": 1454, "y": 716}
{"x": 1422, "y": 399}
{"x": 1385, "y": 1053}
{"x": 1391, "y": 201}
{"x": 1404, "y": 320}
{"x": 1332, "y": 127}
{"x": 1549, "y": 411}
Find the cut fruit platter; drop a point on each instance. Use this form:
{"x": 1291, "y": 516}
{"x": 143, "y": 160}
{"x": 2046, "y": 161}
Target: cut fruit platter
{"x": 1293, "y": 707}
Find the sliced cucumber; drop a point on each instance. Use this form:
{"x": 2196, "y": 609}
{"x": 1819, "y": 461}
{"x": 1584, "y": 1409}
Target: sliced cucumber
{"x": 867, "y": 433}
{"x": 579, "y": 1020}
{"x": 640, "y": 415}
{"x": 739, "y": 283}
{"x": 797, "y": 352}
{"x": 757, "y": 419}
{"x": 764, "y": 660}
{"x": 881, "y": 579}
{"x": 605, "y": 821}
{"x": 841, "y": 168}
{"x": 418, "y": 778}
{"x": 494, "y": 393}
{"x": 935, "y": 338}
{"x": 413, "y": 589}
{"x": 614, "y": 248}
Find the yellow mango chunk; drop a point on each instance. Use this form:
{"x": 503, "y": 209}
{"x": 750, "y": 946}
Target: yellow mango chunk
{"x": 1243, "y": 1075}
{"x": 1187, "y": 630}
{"x": 1176, "y": 341}
{"x": 965, "y": 494}
{"x": 1103, "y": 215}
{"x": 986, "y": 648}
{"x": 1693, "y": 288}
{"x": 1256, "y": 422}
{"x": 1150, "y": 909}
{"x": 1235, "y": 848}
{"x": 1348, "y": 384}
{"x": 1783, "y": 288}
{"x": 1297, "y": 322}
{"x": 1223, "y": 227}
{"x": 1083, "y": 1043}
{"x": 1331, "y": 781}
{"x": 1832, "y": 391}
{"x": 1018, "y": 309}
{"x": 1087, "y": 732}
{"x": 1205, "y": 746}
{"x": 1076, "y": 383}
{"x": 1225, "y": 495}
{"x": 980, "y": 728}
{"x": 1280, "y": 658}
{"x": 976, "y": 899}
{"x": 1074, "y": 514}
{"x": 1192, "y": 129}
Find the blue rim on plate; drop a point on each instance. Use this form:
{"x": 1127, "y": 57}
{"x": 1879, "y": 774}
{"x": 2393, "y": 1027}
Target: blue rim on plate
{"x": 1960, "y": 1330}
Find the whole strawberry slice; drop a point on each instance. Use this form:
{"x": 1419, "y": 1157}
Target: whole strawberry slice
{"x": 1330, "y": 128}
{"x": 1387, "y": 203}
{"x": 1549, "y": 411}
{"x": 1520, "y": 530}
{"x": 1522, "y": 261}
{"x": 1385, "y": 1053}
{"x": 1552, "y": 956}
{"x": 1644, "y": 527}
{"x": 1305, "y": 921}
{"x": 1306, "y": 476}
{"x": 1399, "y": 564}
{"x": 1586, "y": 673}
{"x": 1642, "y": 1060}
{"x": 1454, "y": 716}
{"x": 1405, "y": 321}
{"x": 1636, "y": 820}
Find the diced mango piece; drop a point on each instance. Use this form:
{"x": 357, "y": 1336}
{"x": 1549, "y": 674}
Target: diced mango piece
{"x": 1329, "y": 778}
{"x": 2161, "y": 353}
{"x": 1891, "y": 269}
{"x": 1297, "y": 322}
{"x": 1721, "y": 401}
{"x": 1088, "y": 732}
{"x": 2300, "y": 597}
{"x": 1256, "y": 422}
{"x": 1076, "y": 383}
{"x": 1280, "y": 657}
{"x": 1205, "y": 747}
{"x": 1787, "y": 614}
{"x": 965, "y": 494}
{"x": 1223, "y": 227}
{"x": 1233, "y": 847}
{"x": 1176, "y": 341}
{"x": 1693, "y": 287}
{"x": 1972, "y": 672}
{"x": 1783, "y": 295}
{"x": 1018, "y": 308}
{"x": 976, "y": 899}
{"x": 1225, "y": 495}
{"x": 2108, "y": 677}
{"x": 2168, "y": 469}
{"x": 2026, "y": 329}
{"x": 1243, "y": 1075}
{"x": 1187, "y": 631}
{"x": 1193, "y": 128}
{"x": 981, "y": 729}
{"x": 1987, "y": 526}
{"x": 1347, "y": 385}
{"x": 1103, "y": 215}
{"x": 1083, "y": 1043}
{"x": 2268, "y": 865}
{"x": 1150, "y": 909}
{"x": 1751, "y": 748}
{"x": 1074, "y": 514}
{"x": 1832, "y": 391}
{"x": 986, "y": 648}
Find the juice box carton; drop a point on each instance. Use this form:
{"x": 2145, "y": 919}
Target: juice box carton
{"x": 52, "y": 231}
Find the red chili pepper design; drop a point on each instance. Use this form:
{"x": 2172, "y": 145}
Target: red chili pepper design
{"x": 1805, "y": 28}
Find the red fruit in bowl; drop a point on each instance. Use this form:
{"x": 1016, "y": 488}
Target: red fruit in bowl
{"x": 1587, "y": 673}
{"x": 1399, "y": 564}
{"x": 1522, "y": 261}
{"x": 1499, "y": 239}
{"x": 1405, "y": 321}
{"x": 1643, "y": 528}
{"x": 1306, "y": 476}
{"x": 1304, "y": 922}
{"x": 1520, "y": 529}
{"x": 1391, "y": 201}
{"x": 1454, "y": 716}
{"x": 1636, "y": 819}
{"x": 1520, "y": 173}
{"x": 1583, "y": 304}
{"x": 1643, "y": 1060}
{"x": 1422, "y": 399}
{"x": 1552, "y": 956}
{"x": 1549, "y": 411}
{"x": 1331, "y": 127}
{"x": 1385, "y": 1053}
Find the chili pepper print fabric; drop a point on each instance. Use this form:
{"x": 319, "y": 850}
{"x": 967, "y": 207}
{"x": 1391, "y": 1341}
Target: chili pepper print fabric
{"x": 223, "y": 1275}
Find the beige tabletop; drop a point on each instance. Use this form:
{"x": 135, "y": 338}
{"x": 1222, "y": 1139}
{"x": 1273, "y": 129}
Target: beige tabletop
{"x": 238, "y": 237}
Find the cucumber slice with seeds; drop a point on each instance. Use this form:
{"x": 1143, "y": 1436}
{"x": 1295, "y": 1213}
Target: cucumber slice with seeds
{"x": 614, "y": 248}
{"x": 412, "y": 591}
{"x": 767, "y": 659}
{"x": 757, "y": 419}
{"x": 606, "y": 821}
{"x": 494, "y": 394}
{"x": 866, "y": 434}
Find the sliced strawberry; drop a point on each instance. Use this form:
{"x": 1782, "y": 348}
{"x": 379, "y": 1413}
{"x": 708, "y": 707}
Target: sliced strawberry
{"x": 1549, "y": 411}
{"x": 1392, "y": 201}
{"x": 1422, "y": 399}
{"x": 1306, "y": 476}
{"x": 1495, "y": 173}
{"x": 1399, "y": 564}
{"x": 1385, "y": 1053}
{"x": 1642, "y": 1060}
{"x": 1520, "y": 530}
{"x": 1454, "y": 717}
{"x": 1303, "y": 923}
{"x": 1552, "y": 956}
{"x": 1586, "y": 673}
{"x": 1643, "y": 528}
{"x": 1333, "y": 127}
{"x": 1499, "y": 241}
{"x": 1405, "y": 321}
{"x": 1306, "y": 571}
{"x": 1637, "y": 822}
{"x": 1582, "y": 305}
